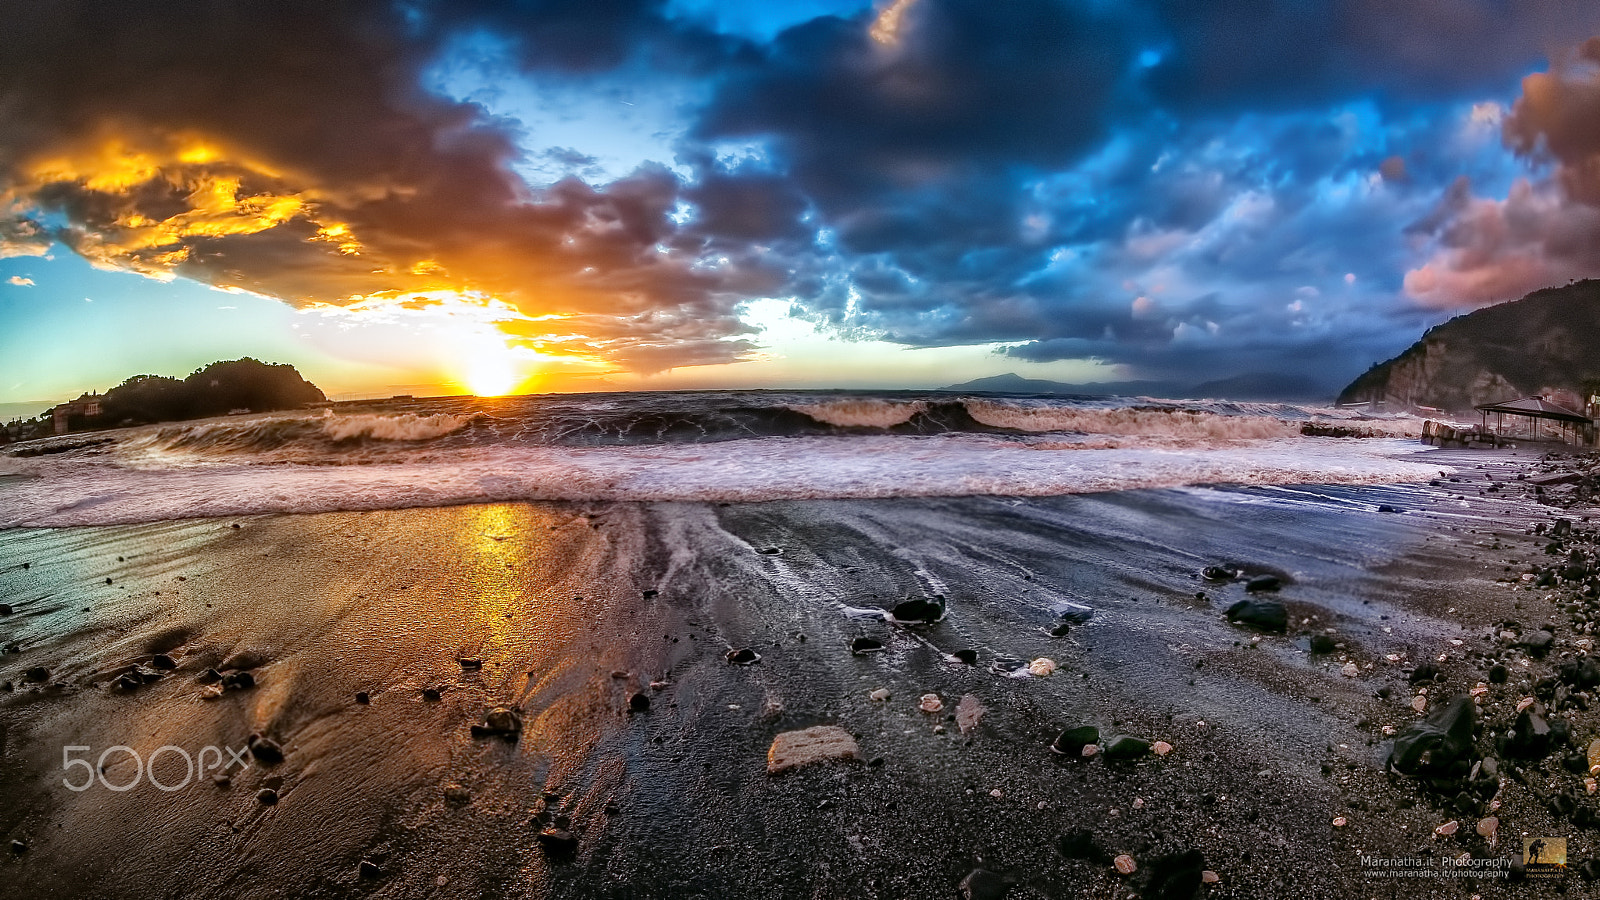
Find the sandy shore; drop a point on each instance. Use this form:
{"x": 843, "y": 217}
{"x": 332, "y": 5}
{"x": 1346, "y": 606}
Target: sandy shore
{"x": 572, "y": 609}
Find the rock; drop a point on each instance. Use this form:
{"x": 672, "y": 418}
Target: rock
{"x": 1161, "y": 748}
{"x": 558, "y": 841}
{"x": 1042, "y": 667}
{"x": 967, "y": 655}
{"x": 1321, "y": 643}
{"x": 237, "y": 681}
{"x": 457, "y": 795}
{"x": 1262, "y": 615}
{"x": 639, "y": 702}
{"x": 19, "y": 847}
{"x": 363, "y": 697}
{"x": 1424, "y": 672}
{"x": 1176, "y": 876}
{"x": 37, "y": 673}
{"x": 1125, "y": 865}
{"x": 1080, "y": 844}
{"x": 1349, "y": 670}
{"x": 969, "y": 712}
{"x": 6, "y": 609}
{"x": 267, "y": 797}
{"x": 1433, "y": 746}
{"x": 1593, "y": 754}
{"x": 1072, "y": 613}
{"x": 208, "y": 676}
{"x": 930, "y": 703}
{"x": 865, "y": 645}
{"x": 1072, "y": 741}
{"x": 793, "y": 749}
{"x": 1581, "y": 674}
{"x": 163, "y": 661}
{"x": 369, "y": 869}
{"x": 469, "y": 663}
{"x": 1488, "y": 827}
{"x": 265, "y": 749}
{"x": 1538, "y": 643}
{"x": 1263, "y": 583}
{"x": 918, "y": 611}
{"x": 743, "y": 656}
{"x": 1126, "y": 747}
{"x": 981, "y": 884}
{"x": 1386, "y": 508}
{"x": 1216, "y": 573}
{"x": 1061, "y": 630}
{"x": 1210, "y": 877}
{"x": 432, "y": 694}
{"x": 1447, "y": 829}
{"x": 127, "y": 682}
{"x": 1005, "y": 665}
{"x": 880, "y": 695}
{"x": 499, "y": 722}
{"x": 1530, "y": 735}
{"x": 244, "y": 659}
{"x": 1498, "y": 674}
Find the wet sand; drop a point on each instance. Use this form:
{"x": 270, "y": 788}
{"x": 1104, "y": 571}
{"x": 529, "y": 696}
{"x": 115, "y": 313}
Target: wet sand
{"x": 573, "y": 608}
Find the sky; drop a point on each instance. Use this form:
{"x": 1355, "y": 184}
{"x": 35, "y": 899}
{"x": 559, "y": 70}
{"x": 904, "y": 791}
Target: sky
{"x": 435, "y": 197}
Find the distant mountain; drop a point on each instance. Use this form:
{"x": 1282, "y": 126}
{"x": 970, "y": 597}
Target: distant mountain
{"x": 218, "y": 389}
{"x": 1251, "y": 386}
{"x": 1547, "y": 341}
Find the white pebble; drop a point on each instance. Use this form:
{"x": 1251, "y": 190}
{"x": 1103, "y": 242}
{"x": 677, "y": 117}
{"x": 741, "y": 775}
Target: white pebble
{"x": 1161, "y": 748}
{"x": 880, "y": 694}
{"x": 1349, "y": 670}
{"x": 1210, "y": 877}
{"x": 1125, "y": 864}
{"x": 1419, "y": 703}
{"x": 1042, "y": 667}
{"x": 1447, "y": 828}
{"x": 1340, "y": 822}
{"x": 995, "y": 793}
{"x": 931, "y": 703}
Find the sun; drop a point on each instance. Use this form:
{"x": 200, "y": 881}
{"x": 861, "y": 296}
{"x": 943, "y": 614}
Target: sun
{"x": 491, "y": 376}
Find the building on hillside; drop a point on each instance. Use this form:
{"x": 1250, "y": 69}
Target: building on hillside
{"x": 86, "y": 406}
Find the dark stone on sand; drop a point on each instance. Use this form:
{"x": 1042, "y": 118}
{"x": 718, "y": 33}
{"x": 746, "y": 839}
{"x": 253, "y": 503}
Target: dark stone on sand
{"x": 470, "y": 663}
{"x": 558, "y": 841}
{"x": 1530, "y": 736}
{"x": 37, "y": 673}
{"x": 363, "y": 697}
{"x": 1539, "y": 642}
{"x": 267, "y": 797}
{"x": 1072, "y": 741}
{"x": 1424, "y": 672}
{"x": 108, "y": 581}
{"x": 19, "y": 847}
{"x": 1126, "y": 747}
{"x": 1386, "y": 508}
{"x": 1581, "y": 674}
{"x": 1080, "y": 844}
{"x": 499, "y": 722}
{"x": 1498, "y": 674}
{"x": 981, "y": 884}
{"x": 1433, "y": 746}
{"x": 5, "y": 609}
{"x": 1590, "y": 870}
{"x": 127, "y": 682}
{"x": 1072, "y": 613}
{"x": 1176, "y": 876}
{"x": 639, "y": 702}
{"x": 163, "y": 661}
{"x": 266, "y": 750}
{"x": 770, "y": 551}
{"x": 208, "y": 676}
{"x": 1262, "y": 615}
{"x": 1321, "y": 643}
{"x": 743, "y": 656}
{"x": 429, "y": 693}
{"x": 967, "y": 655}
{"x": 918, "y": 611}
{"x": 651, "y": 595}
{"x": 1263, "y": 583}
{"x": 238, "y": 681}
{"x": 368, "y": 868}
{"x": 1005, "y": 665}
{"x": 864, "y": 645}
{"x": 1216, "y": 573}
{"x": 1563, "y": 805}
{"x": 244, "y": 659}
{"x": 1062, "y": 629}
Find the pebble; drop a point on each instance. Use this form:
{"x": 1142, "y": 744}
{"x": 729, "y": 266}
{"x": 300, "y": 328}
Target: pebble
{"x": 37, "y": 673}
{"x": 1126, "y": 747}
{"x": 265, "y": 749}
{"x": 237, "y": 681}
{"x": 792, "y": 749}
{"x": 1125, "y": 864}
{"x": 1042, "y": 667}
{"x": 968, "y": 656}
{"x": 558, "y": 840}
{"x": 865, "y": 645}
{"x": 1138, "y": 803}
{"x": 639, "y": 702}
{"x": 430, "y": 693}
{"x": 267, "y": 797}
{"x": 1340, "y": 822}
{"x": 930, "y": 703}
{"x": 163, "y": 661}
{"x": 369, "y": 869}
{"x": 1161, "y": 748}
{"x": 19, "y": 847}
{"x": 1350, "y": 670}
{"x": 6, "y": 609}
{"x": 743, "y": 656}
{"x": 362, "y": 697}
{"x": 1090, "y": 750}
{"x": 1419, "y": 703}
{"x": 881, "y": 694}
{"x": 981, "y": 884}
{"x": 919, "y": 611}
{"x": 1072, "y": 741}
{"x": 1321, "y": 643}
{"x": 1210, "y": 877}
{"x": 969, "y": 712}
{"x": 457, "y": 794}
{"x": 499, "y": 721}
{"x": 470, "y": 663}
{"x": 1488, "y": 826}
{"x": 1447, "y": 828}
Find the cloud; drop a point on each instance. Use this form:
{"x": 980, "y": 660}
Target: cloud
{"x": 20, "y": 281}
{"x": 1547, "y": 229}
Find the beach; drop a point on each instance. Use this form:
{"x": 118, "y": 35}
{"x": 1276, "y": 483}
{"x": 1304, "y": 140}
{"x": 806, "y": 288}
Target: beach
{"x": 564, "y": 611}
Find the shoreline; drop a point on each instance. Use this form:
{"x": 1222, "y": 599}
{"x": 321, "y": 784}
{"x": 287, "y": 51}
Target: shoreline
{"x": 675, "y": 800}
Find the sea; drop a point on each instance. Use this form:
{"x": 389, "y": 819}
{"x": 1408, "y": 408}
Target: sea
{"x": 723, "y": 446}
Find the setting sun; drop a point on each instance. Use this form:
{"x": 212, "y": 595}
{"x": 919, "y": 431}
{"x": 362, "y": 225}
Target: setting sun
{"x": 491, "y": 376}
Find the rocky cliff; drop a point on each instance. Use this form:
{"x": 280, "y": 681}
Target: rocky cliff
{"x": 1547, "y": 341}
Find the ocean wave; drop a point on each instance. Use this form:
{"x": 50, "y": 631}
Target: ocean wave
{"x": 862, "y": 412}
{"x": 405, "y": 427}
{"x": 60, "y": 490}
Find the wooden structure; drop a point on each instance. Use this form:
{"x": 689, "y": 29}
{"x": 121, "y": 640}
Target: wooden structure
{"x": 1571, "y": 427}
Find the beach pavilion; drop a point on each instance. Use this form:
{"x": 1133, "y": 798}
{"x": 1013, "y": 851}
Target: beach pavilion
{"x": 1538, "y": 410}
